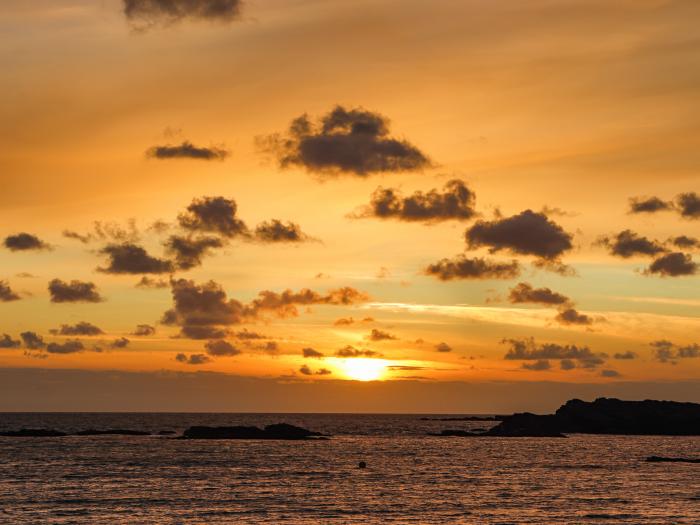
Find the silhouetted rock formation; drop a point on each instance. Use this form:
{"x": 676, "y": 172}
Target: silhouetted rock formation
{"x": 602, "y": 416}
{"x": 112, "y": 432}
{"x": 166, "y": 432}
{"x": 661, "y": 459}
{"x": 465, "y": 418}
{"x": 278, "y": 431}
{"x": 33, "y": 432}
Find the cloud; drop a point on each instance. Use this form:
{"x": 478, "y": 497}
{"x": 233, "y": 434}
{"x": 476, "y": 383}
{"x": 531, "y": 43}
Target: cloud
{"x": 665, "y": 351}
{"x": 610, "y": 373}
{"x": 193, "y": 359}
{"x": 567, "y": 364}
{"x": 84, "y": 238}
{"x": 189, "y": 251}
{"x": 277, "y": 231}
{"x": 24, "y": 242}
{"x": 149, "y": 282}
{"x": 221, "y": 348}
{"x": 351, "y": 351}
{"x": 572, "y": 316}
{"x": 81, "y": 328}
{"x": 73, "y": 292}
{"x": 528, "y": 233}
{"x": 6, "y": 293}
{"x": 443, "y": 347}
{"x": 380, "y": 335}
{"x": 187, "y": 150}
{"x": 649, "y": 205}
{"x": 147, "y": 13}
{"x": 305, "y": 370}
{"x": 689, "y": 205}
{"x": 213, "y": 215}
{"x": 627, "y": 244}
{"x": 529, "y": 350}
{"x": 347, "y": 321}
{"x": 129, "y": 258}
{"x": 685, "y": 242}
{"x": 674, "y": 264}
{"x": 539, "y": 365}
{"x": 202, "y": 311}
{"x": 625, "y": 355}
{"x": 455, "y": 202}
{"x": 323, "y": 372}
{"x": 144, "y": 330}
{"x": 247, "y": 335}
{"x": 68, "y": 347}
{"x": 525, "y": 293}
{"x": 107, "y": 231}
{"x": 32, "y": 341}
{"x": 474, "y": 268}
{"x": 120, "y": 342}
{"x": 354, "y": 141}
{"x": 311, "y": 353}
{"x": 7, "y": 342}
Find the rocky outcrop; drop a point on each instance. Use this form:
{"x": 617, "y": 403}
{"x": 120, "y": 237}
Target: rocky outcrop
{"x": 602, "y": 416}
{"x": 33, "y": 432}
{"x": 661, "y": 459}
{"x": 278, "y": 431}
{"x": 112, "y": 432}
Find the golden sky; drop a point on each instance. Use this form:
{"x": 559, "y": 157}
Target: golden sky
{"x": 445, "y": 193}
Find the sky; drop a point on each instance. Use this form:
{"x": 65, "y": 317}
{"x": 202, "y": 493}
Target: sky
{"x": 335, "y": 205}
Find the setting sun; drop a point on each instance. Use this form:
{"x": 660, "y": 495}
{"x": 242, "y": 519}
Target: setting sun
{"x": 364, "y": 369}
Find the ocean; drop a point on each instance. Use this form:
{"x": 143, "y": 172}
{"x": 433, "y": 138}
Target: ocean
{"x": 410, "y": 477}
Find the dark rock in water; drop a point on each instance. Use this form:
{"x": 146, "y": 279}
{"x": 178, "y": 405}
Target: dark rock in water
{"x": 661, "y": 459}
{"x": 465, "y": 418}
{"x": 166, "y": 432}
{"x": 278, "y": 431}
{"x": 362, "y": 464}
{"x": 603, "y": 416}
{"x": 456, "y": 433}
{"x": 33, "y": 432}
{"x": 112, "y": 432}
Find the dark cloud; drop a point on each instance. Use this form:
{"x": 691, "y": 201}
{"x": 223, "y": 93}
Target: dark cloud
{"x": 107, "y": 231}
{"x": 32, "y": 341}
{"x": 305, "y": 370}
{"x": 455, "y": 202}
{"x": 528, "y": 233}
{"x": 84, "y": 238}
{"x": 6, "y": 293}
{"x": 351, "y": 351}
{"x": 625, "y": 355}
{"x": 81, "y": 328}
{"x": 668, "y": 352}
{"x": 23, "y": 242}
{"x": 247, "y": 335}
{"x": 380, "y": 335}
{"x": 539, "y": 365}
{"x": 347, "y": 321}
{"x": 529, "y": 350}
{"x": 610, "y": 373}
{"x": 203, "y": 332}
{"x": 214, "y": 215}
{"x": 443, "y": 347}
{"x": 150, "y": 282}
{"x": 525, "y": 293}
{"x": 129, "y": 258}
{"x": 323, "y": 372}
{"x": 572, "y": 316}
{"x": 353, "y": 141}
{"x": 649, "y": 205}
{"x": 277, "y": 231}
{"x": 285, "y": 304}
{"x": 689, "y": 205}
{"x": 193, "y": 359}
{"x": 674, "y": 264}
{"x": 628, "y": 244}
{"x": 685, "y": 242}
{"x": 7, "y": 342}
{"x": 189, "y": 251}
{"x": 73, "y": 292}
{"x": 311, "y": 353}
{"x": 474, "y": 268}
{"x": 146, "y": 13}
{"x": 567, "y": 364}
{"x": 68, "y": 347}
{"x": 120, "y": 342}
{"x": 144, "y": 330}
{"x": 220, "y": 347}
{"x": 187, "y": 150}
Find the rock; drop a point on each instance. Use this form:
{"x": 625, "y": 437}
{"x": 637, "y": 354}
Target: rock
{"x": 166, "y": 432}
{"x": 112, "y": 432}
{"x": 33, "y": 432}
{"x": 661, "y": 459}
{"x": 465, "y": 418}
{"x": 362, "y": 464}
{"x": 278, "y": 431}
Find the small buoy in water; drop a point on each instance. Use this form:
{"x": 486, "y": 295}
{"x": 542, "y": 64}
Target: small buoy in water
{"x": 362, "y": 464}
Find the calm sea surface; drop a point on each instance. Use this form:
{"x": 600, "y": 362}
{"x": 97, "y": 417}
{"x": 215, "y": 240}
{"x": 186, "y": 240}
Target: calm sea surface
{"x": 410, "y": 477}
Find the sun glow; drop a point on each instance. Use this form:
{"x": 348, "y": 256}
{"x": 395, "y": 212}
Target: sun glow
{"x": 362, "y": 369}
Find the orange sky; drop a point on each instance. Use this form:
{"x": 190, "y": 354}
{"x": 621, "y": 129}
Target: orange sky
{"x": 569, "y": 109}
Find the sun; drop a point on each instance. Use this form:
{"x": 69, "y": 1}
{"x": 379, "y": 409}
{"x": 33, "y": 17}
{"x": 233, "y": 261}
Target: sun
{"x": 362, "y": 369}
